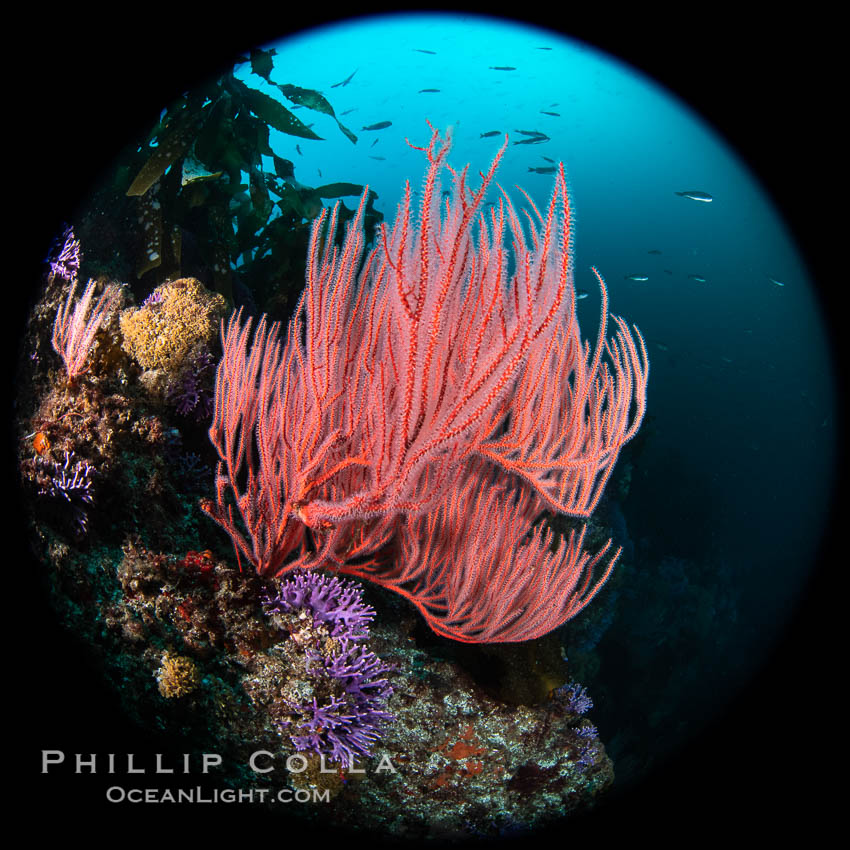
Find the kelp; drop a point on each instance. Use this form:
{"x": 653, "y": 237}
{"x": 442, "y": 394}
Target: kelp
{"x": 311, "y": 99}
{"x": 272, "y": 112}
{"x": 204, "y": 163}
{"x": 262, "y": 63}
{"x": 338, "y": 190}
{"x": 172, "y": 142}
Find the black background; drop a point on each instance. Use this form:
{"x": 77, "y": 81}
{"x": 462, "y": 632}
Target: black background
{"x": 80, "y": 85}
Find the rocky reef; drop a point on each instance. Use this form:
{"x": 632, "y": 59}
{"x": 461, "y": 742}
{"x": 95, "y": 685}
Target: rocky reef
{"x": 463, "y": 742}
{"x": 189, "y": 647}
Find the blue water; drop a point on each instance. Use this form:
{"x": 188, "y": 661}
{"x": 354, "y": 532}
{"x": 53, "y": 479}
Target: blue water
{"x": 732, "y": 481}
{"x": 733, "y": 466}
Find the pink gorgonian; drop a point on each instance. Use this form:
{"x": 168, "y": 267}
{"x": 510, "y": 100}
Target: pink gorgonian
{"x": 73, "y": 331}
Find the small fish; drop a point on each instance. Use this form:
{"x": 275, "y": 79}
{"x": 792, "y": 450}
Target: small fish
{"x": 299, "y": 150}
{"x": 502, "y": 68}
{"x": 653, "y": 251}
{"x": 547, "y": 158}
{"x": 638, "y": 277}
{"x": 695, "y": 195}
{"x": 697, "y": 278}
{"x": 379, "y": 126}
{"x": 421, "y": 50}
{"x": 661, "y": 347}
{"x": 534, "y": 140}
{"x": 542, "y": 48}
{"x": 530, "y": 133}
{"x": 667, "y": 271}
{"x": 320, "y": 171}
{"x": 582, "y": 294}
{"x": 380, "y": 158}
{"x": 426, "y": 91}
{"x": 353, "y": 108}
{"x": 774, "y": 280}
{"x": 543, "y": 169}
{"x": 490, "y": 134}
{"x": 555, "y": 114}
{"x": 378, "y": 139}
{"x": 347, "y": 80}
{"x": 727, "y": 360}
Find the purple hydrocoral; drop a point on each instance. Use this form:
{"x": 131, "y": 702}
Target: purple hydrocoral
{"x": 347, "y": 726}
{"x": 67, "y": 263}
{"x": 327, "y": 619}
{"x": 191, "y": 394}
{"x": 335, "y": 602}
{"x": 72, "y": 483}
{"x": 574, "y": 698}
{"x": 588, "y": 745}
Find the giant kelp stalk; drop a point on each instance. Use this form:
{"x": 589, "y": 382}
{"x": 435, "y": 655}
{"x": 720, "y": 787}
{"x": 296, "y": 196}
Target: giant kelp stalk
{"x": 428, "y": 396}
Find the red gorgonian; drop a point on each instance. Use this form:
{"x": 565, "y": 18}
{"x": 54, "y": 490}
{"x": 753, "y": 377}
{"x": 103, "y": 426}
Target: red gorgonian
{"x": 429, "y": 402}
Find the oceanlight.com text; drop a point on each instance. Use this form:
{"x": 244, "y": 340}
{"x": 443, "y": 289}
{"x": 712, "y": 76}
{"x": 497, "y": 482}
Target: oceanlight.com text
{"x": 117, "y": 794}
